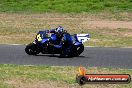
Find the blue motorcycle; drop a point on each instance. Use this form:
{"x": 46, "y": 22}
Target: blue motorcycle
{"x": 42, "y": 44}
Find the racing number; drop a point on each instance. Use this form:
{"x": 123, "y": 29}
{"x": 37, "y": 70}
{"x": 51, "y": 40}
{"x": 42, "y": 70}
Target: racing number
{"x": 39, "y": 37}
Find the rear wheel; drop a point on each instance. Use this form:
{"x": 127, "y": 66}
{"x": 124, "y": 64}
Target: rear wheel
{"x": 31, "y": 49}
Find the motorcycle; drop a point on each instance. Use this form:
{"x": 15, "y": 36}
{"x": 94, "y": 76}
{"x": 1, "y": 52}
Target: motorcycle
{"x": 41, "y": 44}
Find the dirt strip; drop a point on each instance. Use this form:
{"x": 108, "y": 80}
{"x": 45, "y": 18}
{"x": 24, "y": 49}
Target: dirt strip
{"x": 108, "y": 24}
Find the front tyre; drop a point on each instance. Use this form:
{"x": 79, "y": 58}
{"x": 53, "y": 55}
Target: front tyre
{"x": 80, "y": 49}
{"x": 77, "y": 50}
{"x": 31, "y": 49}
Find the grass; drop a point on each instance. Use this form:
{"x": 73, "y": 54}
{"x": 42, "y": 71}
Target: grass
{"x": 14, "y": 76}
{"x": 65, "y": 6}
{"x": 22, "y": 28}
{"x": 21, "y": 19}
{"x": 110, "y": 37}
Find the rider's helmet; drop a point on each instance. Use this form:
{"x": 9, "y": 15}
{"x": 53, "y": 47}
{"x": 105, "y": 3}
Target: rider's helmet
{"x": 59, "y": 30}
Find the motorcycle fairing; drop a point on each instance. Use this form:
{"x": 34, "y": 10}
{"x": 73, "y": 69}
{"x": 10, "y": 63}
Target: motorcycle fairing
{"x": 82, "y": 37}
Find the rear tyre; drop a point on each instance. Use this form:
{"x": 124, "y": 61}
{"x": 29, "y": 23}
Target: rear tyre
{"x": 31, "y": 49}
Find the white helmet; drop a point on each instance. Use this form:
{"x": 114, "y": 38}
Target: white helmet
{"x": 60, "y": 29}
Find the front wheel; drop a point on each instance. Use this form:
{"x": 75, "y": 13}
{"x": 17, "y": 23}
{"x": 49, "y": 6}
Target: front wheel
{"x": 77, "y": 50}
{"x": 80, "y": 49}
{"x": 31, "y": 49}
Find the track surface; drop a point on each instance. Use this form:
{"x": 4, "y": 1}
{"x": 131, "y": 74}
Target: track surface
{"x": 100, "y": 57}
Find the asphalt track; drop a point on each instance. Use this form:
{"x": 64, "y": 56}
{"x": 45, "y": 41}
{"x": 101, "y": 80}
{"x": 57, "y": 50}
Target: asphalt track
{"x": 92, "y": 56}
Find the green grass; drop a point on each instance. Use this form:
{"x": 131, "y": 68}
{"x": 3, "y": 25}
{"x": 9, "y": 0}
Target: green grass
{"x": 110, "y": 37}
{"x": 46, "y": 14}
{"x": 21, "y": 28}
{"x": 12, "y": 76}
{"x": 65, "y": 6}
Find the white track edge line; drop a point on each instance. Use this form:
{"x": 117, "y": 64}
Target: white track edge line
{"x": 85, "y": 46}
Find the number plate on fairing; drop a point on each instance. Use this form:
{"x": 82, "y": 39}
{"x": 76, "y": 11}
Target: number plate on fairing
{"x": 83, "y": 37}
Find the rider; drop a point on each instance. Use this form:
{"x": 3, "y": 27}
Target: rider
{"x": 64, "y": 40}
{"x": 57, "y": 35}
